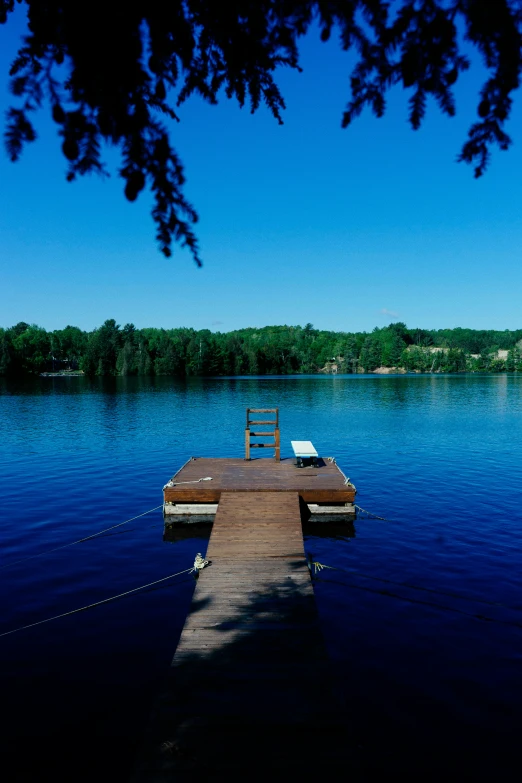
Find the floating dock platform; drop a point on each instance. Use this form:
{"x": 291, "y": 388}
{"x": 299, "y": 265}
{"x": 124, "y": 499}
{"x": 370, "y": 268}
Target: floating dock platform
{"x": 250, "y": 690}
{"x": 193, "y": 494}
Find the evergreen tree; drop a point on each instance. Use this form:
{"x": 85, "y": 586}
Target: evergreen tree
{"x": 6, "y": 353}
{"x": 102, "y": 350}
{"x": 370, "y": 357}
{"x": 110, "y": 350}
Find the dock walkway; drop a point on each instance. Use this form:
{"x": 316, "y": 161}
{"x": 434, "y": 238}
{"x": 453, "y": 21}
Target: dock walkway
{"x": 249, "y": 690}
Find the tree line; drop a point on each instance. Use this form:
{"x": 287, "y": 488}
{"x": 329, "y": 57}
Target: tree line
{"x": 112, "y": 350}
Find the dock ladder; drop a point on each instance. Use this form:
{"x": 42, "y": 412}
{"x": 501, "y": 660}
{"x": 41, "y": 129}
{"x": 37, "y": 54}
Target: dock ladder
{"x": 272, "y": 433}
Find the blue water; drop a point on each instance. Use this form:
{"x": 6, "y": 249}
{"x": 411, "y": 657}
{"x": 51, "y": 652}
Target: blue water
{"x": 432, "y": 682}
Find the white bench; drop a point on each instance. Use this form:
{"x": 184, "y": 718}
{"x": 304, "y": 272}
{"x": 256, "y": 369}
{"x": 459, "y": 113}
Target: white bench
{"x": 304, "y": 450}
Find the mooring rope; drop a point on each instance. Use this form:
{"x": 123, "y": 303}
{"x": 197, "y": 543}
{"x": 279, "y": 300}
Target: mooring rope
{"x": 318, "y": 567}
{"x": 347, "y": 480}
{"x": 80, "y": 540}
{"x": 482, "y": 617}
{"x": 199, "y": 563}
{"x": 173, "y": 483}
{"x": 343, "y": 474}
{"x": 108, "y": 600}
{"x": 370, "y": 514}
{"x": 107, "y": 529}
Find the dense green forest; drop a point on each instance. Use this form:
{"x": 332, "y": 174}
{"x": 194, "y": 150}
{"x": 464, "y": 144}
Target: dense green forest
{"x": 271, "y": 350}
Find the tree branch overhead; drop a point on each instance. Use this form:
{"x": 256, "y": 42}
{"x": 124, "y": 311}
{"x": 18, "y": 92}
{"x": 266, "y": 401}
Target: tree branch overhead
{"x": 112, "y": 72}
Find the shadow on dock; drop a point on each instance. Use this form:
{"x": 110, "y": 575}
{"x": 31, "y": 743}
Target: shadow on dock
{"x": 250, "y": 689}
{"x": 251, "y": 693}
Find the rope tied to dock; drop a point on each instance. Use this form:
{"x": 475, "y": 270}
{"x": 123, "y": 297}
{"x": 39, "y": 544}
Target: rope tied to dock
{"x": 369, "y": 514}
{"x": 97, "y": 603}
{"x": 80, "y": 540}
{"x": 317, "y": 567}
{"x": 199, "y": 563}
{"x": 173, "y": 483}
{"x": 347, "y": 480}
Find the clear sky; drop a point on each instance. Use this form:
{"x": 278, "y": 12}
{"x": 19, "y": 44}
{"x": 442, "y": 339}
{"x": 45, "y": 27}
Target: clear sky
{"x": 348, "y": 229}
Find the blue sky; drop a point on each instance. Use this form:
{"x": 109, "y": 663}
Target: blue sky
{"x": 301, "y": 222}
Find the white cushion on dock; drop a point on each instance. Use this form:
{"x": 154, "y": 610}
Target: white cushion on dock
{"x": 303, "y": 448}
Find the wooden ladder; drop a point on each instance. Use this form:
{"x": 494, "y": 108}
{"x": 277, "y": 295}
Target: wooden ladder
{"x": 269, "y": 433}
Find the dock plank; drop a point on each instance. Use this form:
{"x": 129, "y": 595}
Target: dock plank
{"x": 249, "y": 688}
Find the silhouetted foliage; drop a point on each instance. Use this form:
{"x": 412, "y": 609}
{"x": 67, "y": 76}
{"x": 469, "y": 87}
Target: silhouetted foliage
{"x": 271, "y": 350}
{"x": 111, "y": 73}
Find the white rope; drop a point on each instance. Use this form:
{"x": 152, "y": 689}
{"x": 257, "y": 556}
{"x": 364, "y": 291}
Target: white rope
{"x": 370, "y": 514}
{"x": 199, "y": 563}
{"x": 80, "y": 540}
{"x": 173, "y": 483}
{"x": 98, "y": 603}
{"x": 346, "y": 478}
{"x": 319, "y": 567}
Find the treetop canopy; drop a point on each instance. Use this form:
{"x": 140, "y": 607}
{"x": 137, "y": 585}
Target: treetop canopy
{"x": 115, "y": 72}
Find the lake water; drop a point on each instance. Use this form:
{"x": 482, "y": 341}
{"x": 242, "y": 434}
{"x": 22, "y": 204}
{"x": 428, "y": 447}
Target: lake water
{"x": 432, "y": 682}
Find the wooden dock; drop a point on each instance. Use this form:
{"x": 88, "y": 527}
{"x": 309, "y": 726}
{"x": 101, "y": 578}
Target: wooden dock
{"x": 322, "y": 484}
{"x": 250, "y": 689}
